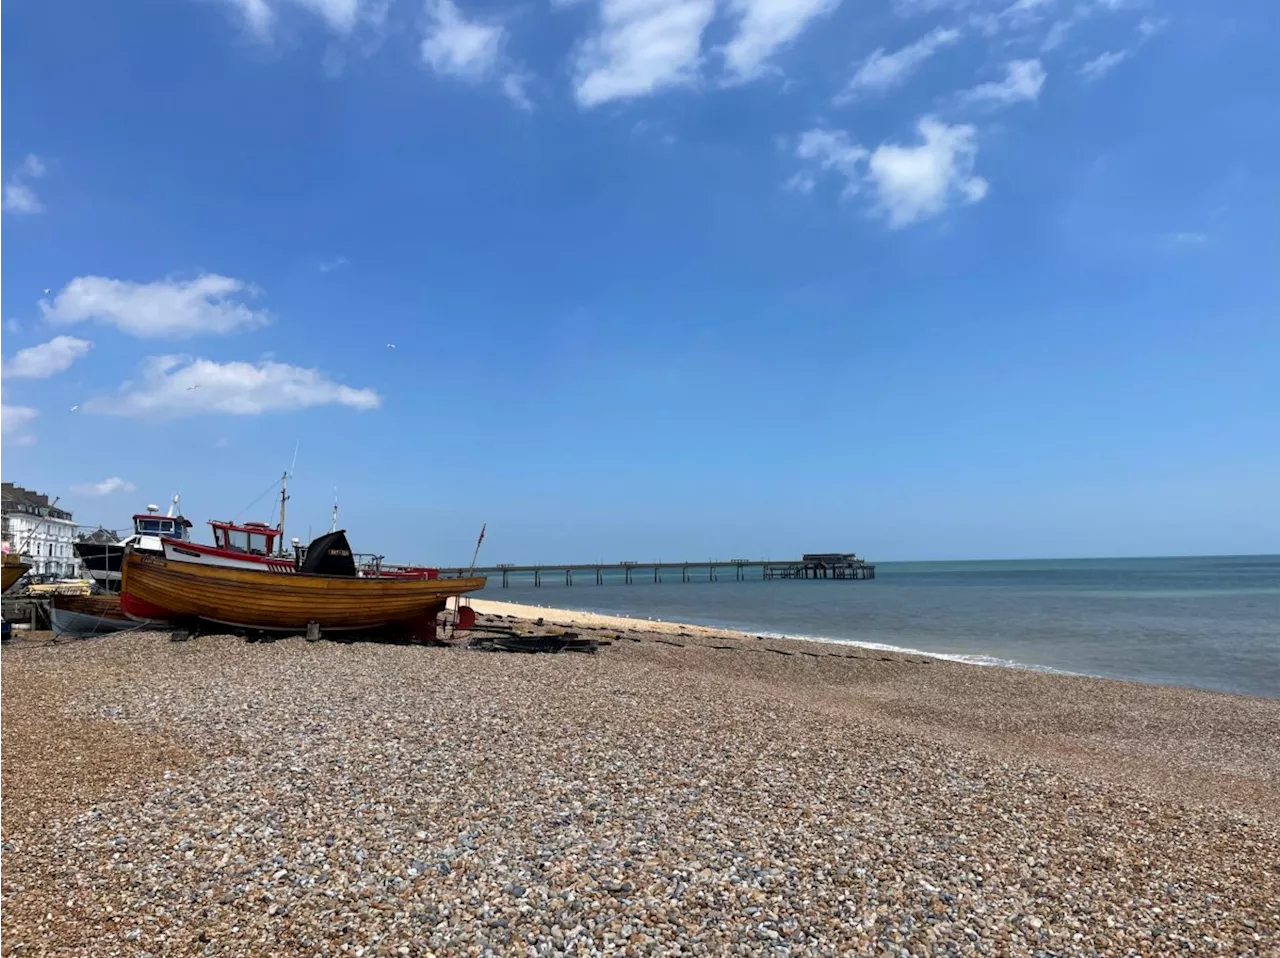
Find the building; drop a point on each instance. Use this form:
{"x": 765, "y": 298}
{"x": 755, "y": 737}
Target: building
{"x": 39, "y": 530}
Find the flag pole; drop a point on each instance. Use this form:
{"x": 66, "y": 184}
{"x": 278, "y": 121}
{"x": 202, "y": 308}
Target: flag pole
{"x": 457, "y": 605}
{"x": 476, "y": 554}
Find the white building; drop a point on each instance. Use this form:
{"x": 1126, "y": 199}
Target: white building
{"x": 41, "y": 531}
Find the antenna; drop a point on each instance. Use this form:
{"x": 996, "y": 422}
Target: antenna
{"x": 296, "y": 444}
{"x": 333, "y": 527}
{"x": 176, "y": 503}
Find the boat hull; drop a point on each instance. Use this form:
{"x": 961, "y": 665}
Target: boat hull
{"x": 101, "y": 561}
{"x": 88, "y": 615}
{"x": 177, "y": 592}
{"x": 12, "y": 572}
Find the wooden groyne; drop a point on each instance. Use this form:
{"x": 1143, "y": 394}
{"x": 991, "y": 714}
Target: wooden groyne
{"x": 825, "y": 565}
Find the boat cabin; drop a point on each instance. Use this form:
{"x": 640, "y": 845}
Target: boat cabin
{"x": 255, "y": 538}
{"x": 151, "y": 523}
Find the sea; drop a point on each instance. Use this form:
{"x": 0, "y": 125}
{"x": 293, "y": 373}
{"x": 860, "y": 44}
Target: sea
{"x": 1208, "y": 622}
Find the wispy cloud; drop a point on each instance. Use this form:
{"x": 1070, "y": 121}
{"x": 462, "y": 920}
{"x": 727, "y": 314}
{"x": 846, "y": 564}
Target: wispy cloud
{"x": 14, "y": 421}
{"x": 19, "y": 197}
{"x": 1103, "y": 64}
{"x": 458, "y": 47}
{"x": 764, "y": 27}
{"x": 882, "y": 71}
{"x": 329, "y": 265}
{"x": 1188, "y": 238}
{"x": 908, "y": 183}
{"x": 1022, "y": 82}
{"x": 106, "y": 487}
{"x": 471, "y": 50}
{"x": 340, "y": 16}
{"x": 640, "y": 47}
{"x": 172, "y": 387}
{"x": 47, "y": 359}
{"x": 163, "y": 309}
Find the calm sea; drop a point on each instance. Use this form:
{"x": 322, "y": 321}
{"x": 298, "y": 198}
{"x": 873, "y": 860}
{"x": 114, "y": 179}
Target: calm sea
{"x": 1210, "y": 622}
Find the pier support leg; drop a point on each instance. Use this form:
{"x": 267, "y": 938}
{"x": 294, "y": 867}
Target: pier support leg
{"x": 537, "y": 577}
{"x": 313, "y": 631}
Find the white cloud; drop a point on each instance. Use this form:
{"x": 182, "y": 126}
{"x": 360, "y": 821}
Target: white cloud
{"x": 831, "y": 150}
{"x": 106, "y": 487}
{"x": 19, "y": 197}
{"x": 166, "y": 308}
{"x": 916, "y": 182}
{"x": 340, "y": 16}
{"x": 456, "y": 46}
{"x": 765, "y": 26}
{"x": 471, "y": 50}
{"x": 1189, "y": 239}
{"x": 802, "y": 182}
{"x": 13, "y": 424}
{"x": 177, "y": 386}
{"x": 641, "y": 47}
{"x": 1149, "y": 26}
{"x": 1103, "y": 64}
{"x": 882, "y": 71}
{"x": 910, "y": 183}
{"x": 40, "y": 362}
{"x": 1057, "y": 35}
{"x": 329, "y": 265}
{"x": 513, "y": 88}
{"x": 258, "y": 16}
{"x": 1023, "y": 81}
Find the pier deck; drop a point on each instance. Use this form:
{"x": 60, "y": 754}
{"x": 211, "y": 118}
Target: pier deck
{"x": 845, "y": 566}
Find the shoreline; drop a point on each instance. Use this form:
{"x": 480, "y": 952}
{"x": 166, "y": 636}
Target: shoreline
{"x": 560, "y": 616}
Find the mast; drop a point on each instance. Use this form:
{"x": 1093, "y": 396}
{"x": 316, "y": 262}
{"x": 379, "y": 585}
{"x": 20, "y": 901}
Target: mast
{"x": 284, "y": 497}
{"x": 333, "y": 526}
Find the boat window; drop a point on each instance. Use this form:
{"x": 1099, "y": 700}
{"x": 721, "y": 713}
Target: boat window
{"x": 257, "y": 544}
{"x": 219, "y": 538}
{"x": 150, "y": 526}
{"x": 238, "y": 540}
{"x": 166, "y": 528}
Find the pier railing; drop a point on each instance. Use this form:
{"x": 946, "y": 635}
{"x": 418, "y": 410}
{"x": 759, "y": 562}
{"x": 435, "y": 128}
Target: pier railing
{"x": 825, "y": 566}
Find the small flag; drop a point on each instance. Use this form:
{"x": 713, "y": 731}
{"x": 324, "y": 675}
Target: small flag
{"x": 482, "y": 528}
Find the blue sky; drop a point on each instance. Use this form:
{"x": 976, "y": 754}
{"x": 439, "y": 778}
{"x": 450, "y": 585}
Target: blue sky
{"x": 664, "y": 278}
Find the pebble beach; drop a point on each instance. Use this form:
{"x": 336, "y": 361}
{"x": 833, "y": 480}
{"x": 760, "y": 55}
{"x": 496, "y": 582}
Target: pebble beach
{"x": 683, "y": 791}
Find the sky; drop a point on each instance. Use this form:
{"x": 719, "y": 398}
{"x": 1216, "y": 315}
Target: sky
{"x": 640, "y": 279}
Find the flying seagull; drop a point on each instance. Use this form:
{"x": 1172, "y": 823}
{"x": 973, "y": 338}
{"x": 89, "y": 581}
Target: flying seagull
{"x": 75, "y": 407}
{"x": 196, "y": 386}
{"x": 48, "y": 291}
{"x": 391, "y": 345}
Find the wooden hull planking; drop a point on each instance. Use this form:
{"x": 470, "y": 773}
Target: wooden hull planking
{"x": 12, "y": 572}
{"x": 252, "y": 599}
{"x": 88, "y": 614}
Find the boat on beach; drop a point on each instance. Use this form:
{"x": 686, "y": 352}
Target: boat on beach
{"x": 102, "y": 559}
{"x": 326, "y": 593}
{"x": 13, "y": 569}
{"x": 95, "y": 614}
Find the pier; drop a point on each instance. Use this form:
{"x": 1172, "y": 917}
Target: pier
{"x": 825, "y": 565}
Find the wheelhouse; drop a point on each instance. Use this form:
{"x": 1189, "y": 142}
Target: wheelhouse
{"x": 254, "y": 538}
{"x": 168, "y": 527}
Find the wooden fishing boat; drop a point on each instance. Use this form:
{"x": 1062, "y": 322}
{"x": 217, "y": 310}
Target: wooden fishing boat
{"x": 13, "y": 569}
{"x": 88, "y": 614}
{"x": 325, "y": 594}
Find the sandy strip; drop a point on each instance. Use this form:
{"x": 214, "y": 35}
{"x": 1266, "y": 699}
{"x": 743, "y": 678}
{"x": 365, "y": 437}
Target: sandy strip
{"x": 594, "y": 620}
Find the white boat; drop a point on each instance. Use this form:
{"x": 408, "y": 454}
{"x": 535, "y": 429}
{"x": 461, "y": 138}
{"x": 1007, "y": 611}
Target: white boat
{"x": 102, "y": 559}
